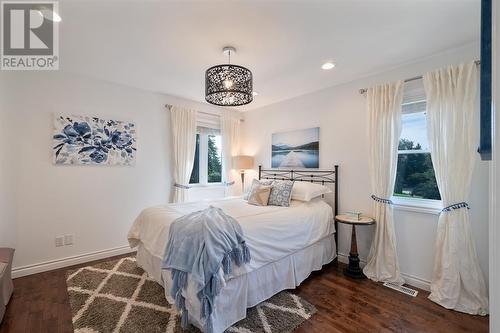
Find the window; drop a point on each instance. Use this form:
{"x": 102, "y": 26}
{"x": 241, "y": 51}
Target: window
{"x": 214, "y": 165}
{"x": 207, "y": 167}
{"x": 415, "y": 177}
{"x": 195, "y": 174}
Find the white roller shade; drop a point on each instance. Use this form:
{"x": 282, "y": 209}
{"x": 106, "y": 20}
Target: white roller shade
{"x": 208, "y": 120}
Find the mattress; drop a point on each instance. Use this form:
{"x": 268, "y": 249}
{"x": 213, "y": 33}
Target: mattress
{"x": 271, "y": 232}
{"x": 286, "y": 244}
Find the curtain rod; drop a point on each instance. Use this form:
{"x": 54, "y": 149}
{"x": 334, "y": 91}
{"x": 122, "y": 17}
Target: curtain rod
{"x": 364, "y": 90}
{"x": 169, "y": 106}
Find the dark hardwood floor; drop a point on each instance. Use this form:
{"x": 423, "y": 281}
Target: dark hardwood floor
{"x": 40, "y": 304}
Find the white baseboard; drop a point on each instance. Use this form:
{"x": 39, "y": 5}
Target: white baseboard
{"x": 417, "y": 282}
{"x": 69, "y": 261}
{"x": 96, "y": 255}
{"x": 409, "y": 279}
{"x": 344, "y": 258}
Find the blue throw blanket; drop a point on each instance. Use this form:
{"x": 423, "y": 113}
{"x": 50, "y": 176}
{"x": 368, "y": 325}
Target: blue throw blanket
{"x": 200, "y": 244}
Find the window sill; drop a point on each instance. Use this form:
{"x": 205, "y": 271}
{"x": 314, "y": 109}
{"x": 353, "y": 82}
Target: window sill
{"x": 211, "y": 185}
{"x": 433, "y": 207}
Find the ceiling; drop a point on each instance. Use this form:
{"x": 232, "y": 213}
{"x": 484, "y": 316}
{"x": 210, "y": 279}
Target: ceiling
{"x": 165, "y": 46}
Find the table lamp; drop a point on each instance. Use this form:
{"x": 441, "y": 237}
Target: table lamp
{"x": 243, "y": 162}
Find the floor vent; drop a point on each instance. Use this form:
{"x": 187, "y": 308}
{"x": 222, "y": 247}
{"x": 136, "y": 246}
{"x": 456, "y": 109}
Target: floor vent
{"x": 401, "y": 289}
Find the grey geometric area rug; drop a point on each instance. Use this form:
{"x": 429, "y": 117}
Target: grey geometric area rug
{"x": 118, "y": 296}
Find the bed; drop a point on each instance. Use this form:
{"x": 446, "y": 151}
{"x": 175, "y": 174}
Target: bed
{"x": 286, "y": 244}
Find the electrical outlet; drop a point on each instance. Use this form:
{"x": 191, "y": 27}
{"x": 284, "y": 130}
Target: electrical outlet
{"x": 59, "y": 241}
{"x": 68, "y": 239}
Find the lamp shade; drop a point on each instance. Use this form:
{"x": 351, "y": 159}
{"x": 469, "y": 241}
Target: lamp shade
{"x": 243, "y": 162}
{"x": 228, "y": 85}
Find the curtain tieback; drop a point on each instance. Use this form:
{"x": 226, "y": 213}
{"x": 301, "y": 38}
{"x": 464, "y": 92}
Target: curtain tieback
{"x": 186, "y": 187}
{"x": 229, "y": 184}
{"x": 459, "y": 205}
{"x": 382, "y": 200}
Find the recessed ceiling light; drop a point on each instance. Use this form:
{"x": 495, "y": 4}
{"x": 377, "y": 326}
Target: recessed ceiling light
{"x": 255, "y": 93}
{"x": 328, "y": 65}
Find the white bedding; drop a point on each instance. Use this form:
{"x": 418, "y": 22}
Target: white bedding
{"x": 271, "y": 232}
{"x": 286, "y": 245}
{"x": 248, "y": 290}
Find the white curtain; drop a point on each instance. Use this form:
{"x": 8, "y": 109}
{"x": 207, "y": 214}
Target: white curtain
{"x": 457, "y": 281}
{"x": 183, "y": 122}
{"x": 230, "y": 132}
{"x": 384, "y": 129}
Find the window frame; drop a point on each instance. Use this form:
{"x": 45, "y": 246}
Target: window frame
{"x": 203, "y": 164}
{"x": 420, "y": 205}
{"x": 410, "y": 203}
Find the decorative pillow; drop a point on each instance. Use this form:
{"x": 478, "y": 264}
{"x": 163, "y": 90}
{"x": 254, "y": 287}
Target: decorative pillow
{"x": 281, "y": 193}
{"x": 259, "y": 195}
{"x": 265, "y": 182}
{"x": 305, "y": 191}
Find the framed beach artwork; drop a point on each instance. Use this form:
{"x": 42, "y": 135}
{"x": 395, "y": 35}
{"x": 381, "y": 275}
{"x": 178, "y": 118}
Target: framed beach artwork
{"x": 296, "y": 149}
{"x": 85, "y": 140}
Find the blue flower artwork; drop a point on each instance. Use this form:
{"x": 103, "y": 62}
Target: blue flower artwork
{"x": 85, "y": 140}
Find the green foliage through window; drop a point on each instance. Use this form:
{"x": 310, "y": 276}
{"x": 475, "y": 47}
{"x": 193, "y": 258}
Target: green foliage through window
{"x": 214, "y": 161}
{"x": 415, "y": 176}
{"x": 195, "y": 173}
{"x": 207, "y": 166}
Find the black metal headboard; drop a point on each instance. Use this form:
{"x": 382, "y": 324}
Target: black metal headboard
{"x": 313, "y": 176}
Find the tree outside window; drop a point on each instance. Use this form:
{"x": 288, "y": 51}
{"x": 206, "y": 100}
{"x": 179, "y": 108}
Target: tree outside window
{"x": 214, "y": 159}
{"x": 207, "y": 166}
{"x": 415, "y": 176}
{"x": 195, "y": 173}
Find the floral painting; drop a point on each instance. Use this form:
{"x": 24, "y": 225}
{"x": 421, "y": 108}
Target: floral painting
{"x": 84, "y": 140}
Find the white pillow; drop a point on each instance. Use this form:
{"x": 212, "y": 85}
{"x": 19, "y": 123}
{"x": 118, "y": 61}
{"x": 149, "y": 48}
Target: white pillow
{"x": 305, "y": 191}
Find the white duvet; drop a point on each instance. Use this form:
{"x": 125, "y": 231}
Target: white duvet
{"x": 270, "y": 232}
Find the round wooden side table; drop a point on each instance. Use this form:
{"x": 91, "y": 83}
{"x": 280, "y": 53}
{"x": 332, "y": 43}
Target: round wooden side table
{"x": 353, "y": 270}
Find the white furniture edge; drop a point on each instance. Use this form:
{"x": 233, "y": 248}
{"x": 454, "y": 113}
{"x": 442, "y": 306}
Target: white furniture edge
{"x": 69, "y": 261}
{"x": 411, "y": 280}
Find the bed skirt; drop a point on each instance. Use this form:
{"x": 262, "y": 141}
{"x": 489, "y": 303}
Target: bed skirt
{"x": 248, "y": 289}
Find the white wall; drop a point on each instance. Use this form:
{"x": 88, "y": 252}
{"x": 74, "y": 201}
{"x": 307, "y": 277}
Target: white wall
{"x": 341, "y": 113}
{"x": 95, "y": 203}
{"x": 207, "y": 192}
{"x": 7, "y": 217}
